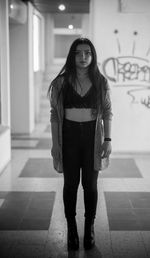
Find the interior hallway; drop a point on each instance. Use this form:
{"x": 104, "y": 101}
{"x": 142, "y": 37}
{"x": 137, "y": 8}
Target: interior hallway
{"x": 32, "y": 222}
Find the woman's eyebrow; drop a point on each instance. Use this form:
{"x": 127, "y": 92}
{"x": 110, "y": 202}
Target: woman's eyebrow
{"x": 80, "y": 50}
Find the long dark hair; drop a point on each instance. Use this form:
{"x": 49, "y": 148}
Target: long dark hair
{"x": 69, "y": 72}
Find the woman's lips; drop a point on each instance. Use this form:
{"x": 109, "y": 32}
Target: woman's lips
{"x": 83, "y": 62}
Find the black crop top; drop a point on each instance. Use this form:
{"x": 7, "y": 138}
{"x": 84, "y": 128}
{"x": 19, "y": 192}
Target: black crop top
{"x": 73, "y": 99}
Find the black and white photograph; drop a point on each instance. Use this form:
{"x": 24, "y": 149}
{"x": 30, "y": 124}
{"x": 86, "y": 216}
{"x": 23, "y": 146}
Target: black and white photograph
{"x": 75, "y": 128}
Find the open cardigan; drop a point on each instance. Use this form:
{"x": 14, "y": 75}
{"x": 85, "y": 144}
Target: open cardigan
{"x": 57, "y": 116}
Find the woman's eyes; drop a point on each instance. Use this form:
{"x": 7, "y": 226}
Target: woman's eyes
{"x": 79, "y": 53}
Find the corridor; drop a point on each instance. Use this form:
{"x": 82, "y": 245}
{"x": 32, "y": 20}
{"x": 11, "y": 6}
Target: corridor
{"x": 32, "y": 222}
{"x": 35, "y": 37}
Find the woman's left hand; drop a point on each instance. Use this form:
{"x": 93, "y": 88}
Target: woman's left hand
{"x": 106, "y": 149}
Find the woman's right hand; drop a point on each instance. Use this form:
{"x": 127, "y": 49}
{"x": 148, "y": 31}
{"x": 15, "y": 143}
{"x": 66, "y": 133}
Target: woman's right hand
{"x": 55, "y": 151}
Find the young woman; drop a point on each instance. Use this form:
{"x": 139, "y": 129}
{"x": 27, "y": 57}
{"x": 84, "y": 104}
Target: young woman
{"x": 81, "y": 133}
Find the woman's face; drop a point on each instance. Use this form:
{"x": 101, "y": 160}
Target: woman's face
{"x": 83, "y": 56}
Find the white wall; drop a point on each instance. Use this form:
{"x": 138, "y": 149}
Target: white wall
{"x": 125, "y": 37}
{"x": 38, "y": 83}
{"x": 21, "y": 75}
{"x": 5, "y": 80}
{"x": 131, "y": 121}
{"x": 39, "y": 73}
{"x": 107, "y": 18}
{"x": 5, "y": 148}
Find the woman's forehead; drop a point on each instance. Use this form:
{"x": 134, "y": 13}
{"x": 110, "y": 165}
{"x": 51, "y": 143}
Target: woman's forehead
{"x": 83, "y": 47}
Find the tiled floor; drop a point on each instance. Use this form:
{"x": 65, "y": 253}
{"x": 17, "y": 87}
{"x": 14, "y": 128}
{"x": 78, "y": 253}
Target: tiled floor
{"x": 32, "y": 222}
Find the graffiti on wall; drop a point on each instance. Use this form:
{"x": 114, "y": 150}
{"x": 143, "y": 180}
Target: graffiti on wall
{"x": 130, "y": 71}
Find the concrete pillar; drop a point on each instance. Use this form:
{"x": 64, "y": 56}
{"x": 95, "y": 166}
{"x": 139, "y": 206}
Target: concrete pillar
{"x": 49, "y": 43}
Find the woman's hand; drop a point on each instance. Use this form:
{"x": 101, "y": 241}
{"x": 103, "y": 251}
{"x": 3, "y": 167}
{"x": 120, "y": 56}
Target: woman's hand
{"x": 55, "y": 151}
{"x": 106, "y": 149}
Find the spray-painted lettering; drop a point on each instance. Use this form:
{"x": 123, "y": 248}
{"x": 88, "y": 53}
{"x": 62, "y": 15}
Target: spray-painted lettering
{"x": 127, "y": 69}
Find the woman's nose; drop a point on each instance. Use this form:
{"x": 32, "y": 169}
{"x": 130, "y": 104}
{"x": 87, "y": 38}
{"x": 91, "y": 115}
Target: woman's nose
{"x": 83, "y": 55}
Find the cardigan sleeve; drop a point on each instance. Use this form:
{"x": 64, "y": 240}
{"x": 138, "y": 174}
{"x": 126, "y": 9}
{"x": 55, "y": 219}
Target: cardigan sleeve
{"x": 107, "y": 106}
{"x": 55, "y": 94}
{"x": 53, "y": 104}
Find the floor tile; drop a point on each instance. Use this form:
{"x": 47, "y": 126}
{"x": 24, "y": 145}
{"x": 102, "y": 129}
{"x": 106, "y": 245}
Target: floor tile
{"x": 115, "y": 184}
{"x": 34, "y": 224}
{"x": 121, "y": 214}
{"x": 128, "y": 211}
{"x": 3, "y": 195}
{"x": 117, "y": 200}
{"x": 125, "y": 225}
{"x": 122, "y": 168}
{"x": 136, "y": 184}
{"x": 39, "y": 167}
{"x": 6, "y": 250}
{"x": 28, "y": 251}
{"x": 31, "y": 237}
{"x": 143, "y": 214}
{"x": 34, "y": 143}
{"x": 140, "y": 199}
{"x": 1, "y": 202}
{"x": 146, "y": 240}
{"x": 27, "y": 211}
{"x": 44, "y": 144}
{"x": 21, "y": 144}
{"x": 128, "y": 244}
{"x": 144, "y": 165}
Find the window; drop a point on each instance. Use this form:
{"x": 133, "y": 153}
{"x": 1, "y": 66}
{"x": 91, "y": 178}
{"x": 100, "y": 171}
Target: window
{"x": 36, "y": 42}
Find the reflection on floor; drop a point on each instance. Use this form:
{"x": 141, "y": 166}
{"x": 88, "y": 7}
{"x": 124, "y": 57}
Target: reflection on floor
{"x": 32, "y": 222}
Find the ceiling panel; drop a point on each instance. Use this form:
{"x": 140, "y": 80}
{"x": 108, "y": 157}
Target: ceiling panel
{"x": 72, "y": 6}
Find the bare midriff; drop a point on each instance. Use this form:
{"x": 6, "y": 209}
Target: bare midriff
{"x": 79, "y": 114}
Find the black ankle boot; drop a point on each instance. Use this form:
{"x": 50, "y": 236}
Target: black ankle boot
{"x": 72, "y": 237}
{"x": 89, "y": 237}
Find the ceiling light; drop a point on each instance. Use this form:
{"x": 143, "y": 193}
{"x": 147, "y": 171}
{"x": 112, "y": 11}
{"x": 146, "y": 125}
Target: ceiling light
{"x": 61, "y": 7}
{"x": 70, "y": 27}
{"x": 11, "y": 6}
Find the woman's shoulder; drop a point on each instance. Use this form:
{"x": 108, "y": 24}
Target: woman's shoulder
{"x": 104, "y": 81}
{"x": 58, "y": 81}
{"x": 55, "y": 85}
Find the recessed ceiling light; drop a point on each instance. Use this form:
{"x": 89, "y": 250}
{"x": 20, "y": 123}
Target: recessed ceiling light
{"x": 70, "y": 27}
{"x": 11, "y": 6}
{"x": 61, "y": 7}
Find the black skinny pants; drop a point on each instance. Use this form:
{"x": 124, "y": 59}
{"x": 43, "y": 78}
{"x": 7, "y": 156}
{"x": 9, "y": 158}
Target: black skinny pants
{"x": 78, "y": 155}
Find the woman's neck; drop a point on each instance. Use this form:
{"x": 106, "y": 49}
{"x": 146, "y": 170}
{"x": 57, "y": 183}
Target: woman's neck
{"x": 82, "y": 73}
